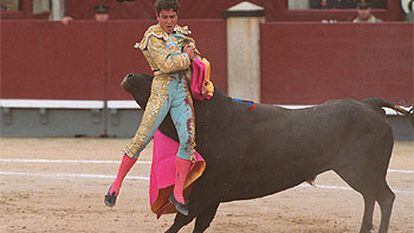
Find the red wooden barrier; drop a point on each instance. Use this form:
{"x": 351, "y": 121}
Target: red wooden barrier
{"x": 312, "y": 63}
{"x": 301, "y": 63}
{"x": 86, "y": 59}
{"x": 46, "y": 60}
{"x": 122, "y": 58}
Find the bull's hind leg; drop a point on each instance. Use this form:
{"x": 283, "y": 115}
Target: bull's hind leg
{"x": 369, "y": 204}
{"x": 204, "y": 219}
{"x": 360, "y": 184}
{"x": 373, "y": 188}
{"x": 385, "y": 200}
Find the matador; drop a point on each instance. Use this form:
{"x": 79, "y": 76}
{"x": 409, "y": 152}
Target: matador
{"x": 169, "y": 51}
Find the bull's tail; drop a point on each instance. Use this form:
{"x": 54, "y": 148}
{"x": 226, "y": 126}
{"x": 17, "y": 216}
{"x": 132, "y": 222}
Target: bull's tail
{"x": 378, "y": 104}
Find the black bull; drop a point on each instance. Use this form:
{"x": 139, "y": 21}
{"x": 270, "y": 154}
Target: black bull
{"x": 251, "y": 154}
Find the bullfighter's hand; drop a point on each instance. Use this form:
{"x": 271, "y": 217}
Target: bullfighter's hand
{"x": 66, "y": 20}
{"x": 190, "y": 50}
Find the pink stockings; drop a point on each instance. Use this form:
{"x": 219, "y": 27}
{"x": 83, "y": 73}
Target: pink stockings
{"x": 182, "y": 169}
{"x": 126, "y": 165}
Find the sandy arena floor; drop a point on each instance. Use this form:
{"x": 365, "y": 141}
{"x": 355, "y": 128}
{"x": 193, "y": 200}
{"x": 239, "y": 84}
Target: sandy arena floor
{"x": 46, "y": 186}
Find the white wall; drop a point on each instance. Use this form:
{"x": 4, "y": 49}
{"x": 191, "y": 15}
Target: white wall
{"x": 40, "y": 6}
{"x": 298, "y": 4}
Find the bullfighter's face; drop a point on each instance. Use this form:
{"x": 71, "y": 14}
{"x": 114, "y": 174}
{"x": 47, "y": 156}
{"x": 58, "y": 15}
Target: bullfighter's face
{"x": 167, "y": 19}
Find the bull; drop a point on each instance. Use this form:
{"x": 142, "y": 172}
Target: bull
{"x": 251, "y": 154}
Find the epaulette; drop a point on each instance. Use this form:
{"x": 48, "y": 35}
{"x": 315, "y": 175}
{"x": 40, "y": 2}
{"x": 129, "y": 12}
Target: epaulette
{"x": 183, "y": 30}
{"x": 154, "y": 30}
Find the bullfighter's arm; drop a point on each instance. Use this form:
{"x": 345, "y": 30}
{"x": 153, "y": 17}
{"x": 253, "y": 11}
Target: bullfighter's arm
{"x": 166, "y": 60}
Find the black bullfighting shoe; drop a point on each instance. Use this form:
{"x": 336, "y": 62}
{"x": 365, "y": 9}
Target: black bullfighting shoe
{"x": 110, "y": 198}
{"x": 180, "y": 207}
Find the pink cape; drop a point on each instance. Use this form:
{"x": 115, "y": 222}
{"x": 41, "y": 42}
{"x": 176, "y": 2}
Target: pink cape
{"x": 162, "y": 176}
{"x": 197, "y": 79}
{"x": 201, "y": 75}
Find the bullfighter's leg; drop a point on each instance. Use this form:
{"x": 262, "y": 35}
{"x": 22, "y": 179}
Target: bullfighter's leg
{"x": 204, "y": 219}
{"x": 183, "y": 117}
{"x": 179, "y": 222}
{"x": 155, "y": 112}
{"x": 126, "y": 164}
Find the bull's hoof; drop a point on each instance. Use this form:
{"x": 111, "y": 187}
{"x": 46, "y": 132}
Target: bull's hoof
{"x": 110, "y": 198}
{"x": 180, "y": 207}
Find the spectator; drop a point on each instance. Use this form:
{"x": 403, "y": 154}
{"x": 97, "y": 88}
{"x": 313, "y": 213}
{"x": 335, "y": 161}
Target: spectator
{"x": 9, "y": 5}
{"x": 365, "y": 15}
{"x": 101, "y": 14}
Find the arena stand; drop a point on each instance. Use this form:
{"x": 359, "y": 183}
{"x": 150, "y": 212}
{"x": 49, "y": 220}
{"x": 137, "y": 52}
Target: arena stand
{"x": 275, "y": 10}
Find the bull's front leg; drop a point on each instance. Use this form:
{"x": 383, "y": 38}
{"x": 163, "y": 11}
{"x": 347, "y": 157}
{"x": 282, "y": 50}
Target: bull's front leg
{"x": 179, "y": 222}
{"x": 204, "y": 219}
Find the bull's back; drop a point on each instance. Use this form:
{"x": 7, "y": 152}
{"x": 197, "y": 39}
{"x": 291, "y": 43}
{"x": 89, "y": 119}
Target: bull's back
{"x": 293, "y": 146}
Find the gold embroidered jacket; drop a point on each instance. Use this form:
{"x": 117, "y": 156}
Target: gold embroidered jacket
{"x": 163, "y": 52}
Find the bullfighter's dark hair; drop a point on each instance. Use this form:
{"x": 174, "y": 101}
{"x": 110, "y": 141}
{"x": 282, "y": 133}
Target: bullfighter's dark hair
{"x": 410, "y": 5}
{"x": 166, "y": 5}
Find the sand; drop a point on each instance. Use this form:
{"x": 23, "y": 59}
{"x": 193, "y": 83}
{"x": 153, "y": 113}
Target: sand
{"x": 40, "y": 195}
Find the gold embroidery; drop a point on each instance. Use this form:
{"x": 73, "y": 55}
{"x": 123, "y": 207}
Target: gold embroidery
{"x": 164, "y": 61}
{"x": 192, "y": 129}
{"x": 158, "y": 56}
{"x": 159, "y": 95}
